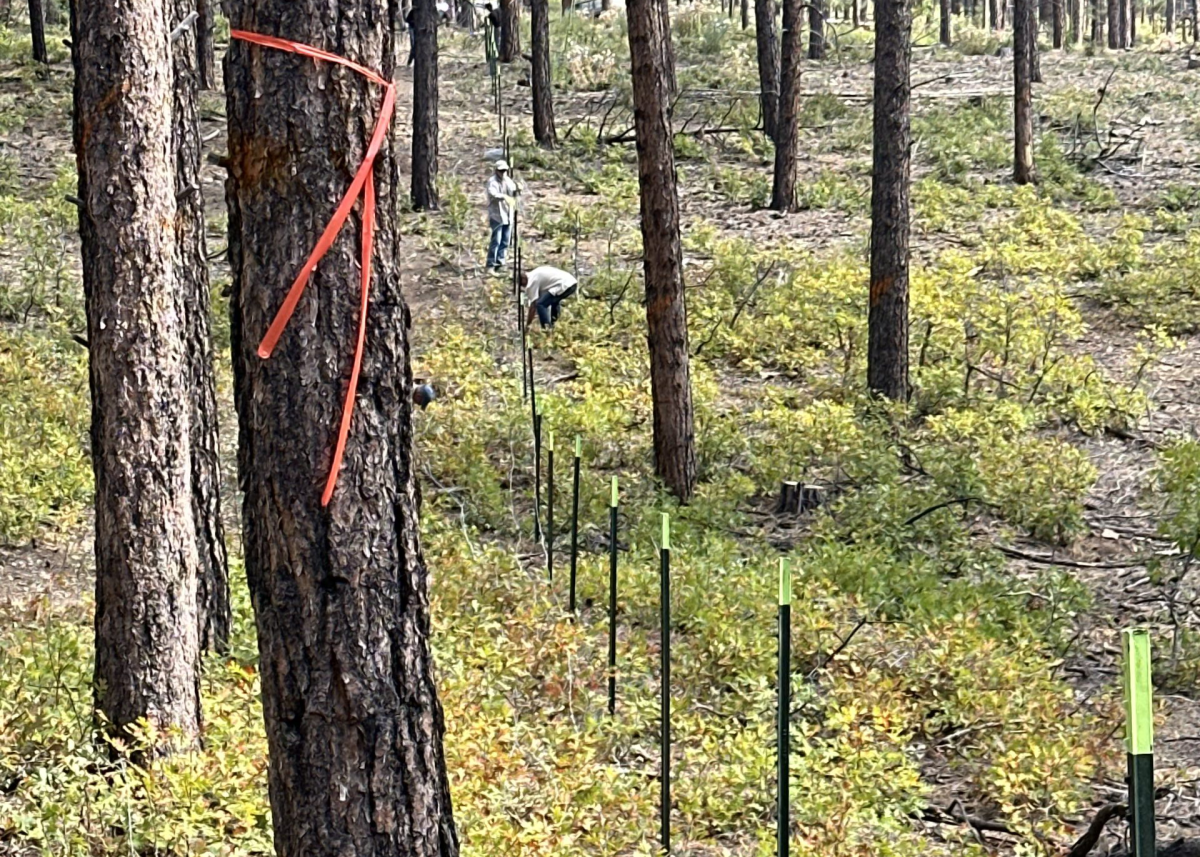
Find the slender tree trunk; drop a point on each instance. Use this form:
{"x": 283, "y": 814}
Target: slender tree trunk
{"x": 854, "y": 20}
{"x": 1035, "y": 54}
{"x": 147, "y": 627}
{"x": 1114, "y": 24}
{"x": 666, "y": 313}
{"x": 956, "y": 7}
{"x": 510, "y": 30}
{"x": 1022, "y": 93}
{"x": 945, "y": 21}
{"x": 341, "y": 592}
{"x": 425, "y": 106}
{"x": 1133, "y": 13}
{"x": 543, "y": 95}
{"x": 994, "y": 14}
{"x": 745, "y": 14}
{"x": 1195, "y": 21}
{"x": 1118, "y": 25}
{"x": 1169, "y": 13}
{"x": 205, "y": 54}
{"x": 768, "y": 63}
{"x": 887, "y": 346}
{"x": 783, "y": 191}
{"x": 1076, "y": 22}
{"x": 191, "y": 266}
{"x": 37, "y": 30}
{"x": 817, "y": 10}
{"x": 1059, "y": 16}
{"x": 465, "y": 15}
{"x": 668, "y": 48}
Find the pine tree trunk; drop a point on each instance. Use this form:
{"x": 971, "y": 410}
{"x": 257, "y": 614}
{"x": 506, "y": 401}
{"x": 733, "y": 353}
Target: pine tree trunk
{"x": 205, "y": 53}
{"x": 745, "y": 14}
{"x": 944, "y": 34}
{"x": 854, "y": 20}
{"x": 425, "y": 106}
{"x": 668, "y": 49}
{"x": 1022, "y": 93}
{"x": 1169, "y": 13}
{"x": 783, "y": 190}
{"x": 147, "y": 628}
{"x": 191, "y": 266}
{"x": 768, "y": 63}
{"x": 1059, "y": 15}
{"x": 543, "y": 93}
{"x": 37, "y": 30}
{"x": 956, "y": 7}
{"x": 666, "y": 313}
{"x": 510, "y": 30}
{"x": 1035, "y": 54}
{"x": 1076, "y": 22}
{"x": 994, "y": 13}
{"x": 340, "y": 593}
{"x": 816, "y": 28}
{"x": 1133, "y": 13}
{"x": 887, "y": 345}
{"x": 1114, "y": 24}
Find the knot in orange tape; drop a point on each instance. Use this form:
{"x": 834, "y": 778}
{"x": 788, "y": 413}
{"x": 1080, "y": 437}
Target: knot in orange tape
{"x": 363, "y": 183}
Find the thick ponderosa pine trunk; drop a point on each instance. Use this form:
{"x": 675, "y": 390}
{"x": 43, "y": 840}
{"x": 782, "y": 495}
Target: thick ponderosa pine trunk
{"x": 510, "y": 30}
{"x": 668, "y": 50}
{"x": 944, "y": 32}
{"x": 147, "y": 628}
{"x": 816, "y": 28}
{"x": 787, "y": 134}
{"x": 666, "y": 314}
{"x": 1114, "y": 24}
{"x": 1022, "y": 93}
{"x": 887, "y": 340}
{"x": 340, "y": 593}
{"x": 425, "y": 106}
{"x": 37, "y": 31}
{"x": 768, "y": 63}
{"x": 191, "y": 268}
{"x": 205, "y": 54}
{"x": 543, "y": 93}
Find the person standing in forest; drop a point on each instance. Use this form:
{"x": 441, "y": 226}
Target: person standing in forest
{"x": 501, "y": 201}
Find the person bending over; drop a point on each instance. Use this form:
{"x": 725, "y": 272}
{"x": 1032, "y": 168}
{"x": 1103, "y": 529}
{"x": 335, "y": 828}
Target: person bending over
{"x": 546, "y": 288}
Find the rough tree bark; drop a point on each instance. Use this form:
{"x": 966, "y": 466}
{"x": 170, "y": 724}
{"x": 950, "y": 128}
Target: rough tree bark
{"x": 768, "y": 63}
{"x": 340, "y": 593}
{"x": 205, "y": 54}
{"x": 666, "y": 313}
{"x": 191, "y": 266}
{"x": 745, "y": 14}
{"x": 37, "y": 30}
{"x": 667, "y": 47}
{"x": 543, "y": 93}
{"x": 1097, "y": 24}
{"x": 425, "y": 106}
{"x": 887, "y": 340}
{"x": 147, "y": 628}
{"x": 1114, "y": 24}
{"x": 817, "y": 10}
{"x": 787, "y": 134}
{"x": 1076, "y": 34}
{"x": 510, "y": 30}
{"x": 1035, "y": 56}
{"x": 944, "y": 32}
{"x": 1022, "y": 93}
{"x": 1169, "y": 14}
{"x": 1131, "y": 16}
{"x": 1059, "y": 20}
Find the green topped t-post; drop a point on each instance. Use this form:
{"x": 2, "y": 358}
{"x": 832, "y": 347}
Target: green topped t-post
{"x": 1139, "y": 738}
{"x": 612, "y": 599}
{"x": 550, "y": 508}
{"x": 784, "y": 704}
{"x": 665, "y": 741}
{"x": 575, "y": 522}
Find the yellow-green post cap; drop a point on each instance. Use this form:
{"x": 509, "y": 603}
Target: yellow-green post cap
{"x": 1139, "y": 711}
{"x": 578, "y": 446}
{"x": 785, "y": 582}
{"x": 551, "y": 446}
{"x": 614, "y": 492}
{"x": 666, "y": 543}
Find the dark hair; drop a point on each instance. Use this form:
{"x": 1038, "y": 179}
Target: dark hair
{"x": 524, "y": 279}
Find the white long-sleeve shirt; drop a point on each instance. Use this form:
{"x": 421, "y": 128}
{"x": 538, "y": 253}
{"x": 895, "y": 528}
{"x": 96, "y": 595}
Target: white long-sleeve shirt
{"x": 499, "y": 211}
{"x": 547, "y": 280}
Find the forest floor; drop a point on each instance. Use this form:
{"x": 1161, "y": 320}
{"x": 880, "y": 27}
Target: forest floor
{"x": 977, "y": 668}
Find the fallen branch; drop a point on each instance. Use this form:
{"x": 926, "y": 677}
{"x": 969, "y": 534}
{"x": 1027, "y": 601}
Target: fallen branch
{"x": 955, "y": 502}
{"x": 1066, "y": 563}
{"x": 187, "y": 22}
{"x": 1087, "y": 842}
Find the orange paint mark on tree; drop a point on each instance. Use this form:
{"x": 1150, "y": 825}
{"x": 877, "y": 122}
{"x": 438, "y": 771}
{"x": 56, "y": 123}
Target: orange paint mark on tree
{"x": 881, "y": 287}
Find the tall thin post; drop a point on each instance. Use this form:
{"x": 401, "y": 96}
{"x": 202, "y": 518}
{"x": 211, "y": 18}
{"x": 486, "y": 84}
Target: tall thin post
{"x": 1139, "y": 738}
{"x": 612, "y": 600}
{"x": 550, "y": 509}
{"x": 575, "y": 521}
{"x": 784, "y": 703}
{"x": 665, "y": 741}
{"x": 537, "y": 468}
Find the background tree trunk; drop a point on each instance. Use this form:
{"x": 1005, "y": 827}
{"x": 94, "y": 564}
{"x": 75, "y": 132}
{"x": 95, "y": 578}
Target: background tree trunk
{"x": 666, "y": 313}
{"x": 1035, "y": 55}
{"x": 1114, "y": 24}
{"x": 1097, "y": 24}
{"x": 1076, "y": 22}
{"x": 147, "y": 628}
{"x": 994, "y": 14}
{"x": 1132, "y": 17}
{"x": 745, "y": 14}
{"x": 1022, "y": 93}
{"x": 340, "y": 593}
{"x": 817, "y": 10}
{"x": 783, "y": 190}
{"x": 1169, "y": 14}
{"x": 543, "y": 93}
{"x": 191, "y": 266}
{"x": 887, "y": 346}
{"x": 510, "y": 30}
{"x": 205, "y": 54}
{"x": 425, "y": 106}
{"x": 1059, "y": 16}
{"x": 944, "y": 33}
{"x": 1120, "y": 24}
{"x": 768, "y": 63}
{"x": 37, "y": 31}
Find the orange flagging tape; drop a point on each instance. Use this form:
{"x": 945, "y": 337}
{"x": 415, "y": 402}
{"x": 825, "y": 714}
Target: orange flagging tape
{"x": 363, "y": 183}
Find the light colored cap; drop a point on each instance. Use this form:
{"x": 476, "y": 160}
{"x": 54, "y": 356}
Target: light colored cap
{"x": 501, "y": 165}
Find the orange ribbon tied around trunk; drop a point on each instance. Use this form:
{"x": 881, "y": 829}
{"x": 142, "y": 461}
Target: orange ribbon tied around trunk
{"x": 364, "y": 184}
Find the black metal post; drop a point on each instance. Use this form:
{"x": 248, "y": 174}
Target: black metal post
{"x": 665, "y": 740}
{"x": 575, "y": 522}
{"x": 550, "y": 509}
{"x": 537, "y": 474}
{"x": 612, "y": 600}
{"x": 784, "y": 704}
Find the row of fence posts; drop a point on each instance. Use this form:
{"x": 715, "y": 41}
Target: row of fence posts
{"x": 1139, "y": 723}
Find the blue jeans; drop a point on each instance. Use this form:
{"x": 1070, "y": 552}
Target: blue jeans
{"x": 549, "y": 306}
{"x": 412, "y": 43}
{"x": 499, "y": 244}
